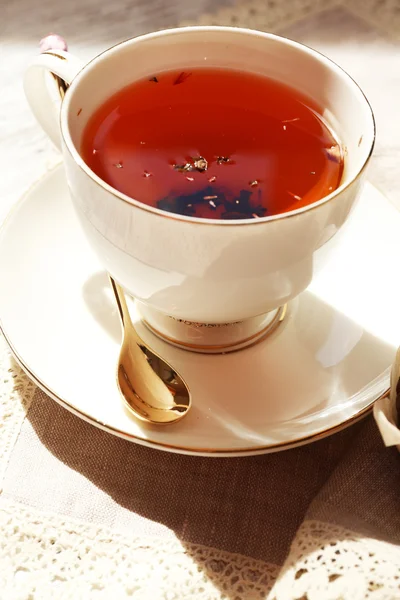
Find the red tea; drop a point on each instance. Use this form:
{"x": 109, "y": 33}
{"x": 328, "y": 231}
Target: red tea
{"x": 215, "y": 144}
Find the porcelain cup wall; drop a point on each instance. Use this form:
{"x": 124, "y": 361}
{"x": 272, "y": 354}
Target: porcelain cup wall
{"x": 204, "y": 274}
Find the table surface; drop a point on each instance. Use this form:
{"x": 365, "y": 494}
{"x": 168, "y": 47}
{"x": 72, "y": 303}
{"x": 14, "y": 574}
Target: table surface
{"x": 95, "y": 515}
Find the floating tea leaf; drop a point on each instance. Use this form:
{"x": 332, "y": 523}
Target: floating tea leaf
{"x": 181, "y": 77}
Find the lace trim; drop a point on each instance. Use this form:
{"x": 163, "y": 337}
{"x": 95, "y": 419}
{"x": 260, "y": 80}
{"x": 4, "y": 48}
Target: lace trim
{"x": 61, "y": 558}
{"x": 16, "y": 394}
{"x": 265, "y": 15}
{"x": 382, "y": 14}
{"x": 328, "y": 562}
{"x": 270, "y": 15}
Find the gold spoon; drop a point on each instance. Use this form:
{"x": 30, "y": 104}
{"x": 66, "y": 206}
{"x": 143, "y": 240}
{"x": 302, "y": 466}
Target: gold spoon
{"x": 153, "y": 391}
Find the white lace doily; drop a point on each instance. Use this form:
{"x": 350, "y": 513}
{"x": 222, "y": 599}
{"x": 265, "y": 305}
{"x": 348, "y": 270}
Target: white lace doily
{"x": 47, "y": 556}
{"x": 265, "y": 15}
{"x": 269, "y": 15}
{"x": 328, "y": 562}
{"x": 44, "y": 556}
{"x": 16, "y": 394}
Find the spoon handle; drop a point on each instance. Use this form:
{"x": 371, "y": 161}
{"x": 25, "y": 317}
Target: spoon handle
{"x": 125, "y": 316}
{"x": 123, "y": 310}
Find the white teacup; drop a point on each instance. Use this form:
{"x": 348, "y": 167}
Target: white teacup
{"x": 205, "y": 285}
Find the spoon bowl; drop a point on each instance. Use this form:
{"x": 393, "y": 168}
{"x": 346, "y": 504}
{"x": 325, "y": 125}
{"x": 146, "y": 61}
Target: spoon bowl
{"x": 151, "y": 388}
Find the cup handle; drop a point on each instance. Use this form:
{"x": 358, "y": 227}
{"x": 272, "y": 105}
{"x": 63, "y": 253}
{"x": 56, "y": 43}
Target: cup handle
{"x": 45, "y": 83}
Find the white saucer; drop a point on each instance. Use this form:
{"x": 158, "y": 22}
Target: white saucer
{"x": 321, "y": 370}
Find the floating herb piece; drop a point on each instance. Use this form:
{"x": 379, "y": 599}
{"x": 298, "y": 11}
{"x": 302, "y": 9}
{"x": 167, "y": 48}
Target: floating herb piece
{"x": 241, "y": 208}
{"x": 183, "y": 168}
{"x": 200, "y": 164}
{"x": 119, "y": 165}
{"x": 146, "y": 174}
{"x": 334, "y": 153}
{"x": 259, "y": 211}
{"x": 295, "y": 196}
{"x": 212, "y": 179}
{"x": 185, "y": 204}
{"x": 223, "y": 160}
{"x": 154, "y": 79}
{"x": 181, "y": 77}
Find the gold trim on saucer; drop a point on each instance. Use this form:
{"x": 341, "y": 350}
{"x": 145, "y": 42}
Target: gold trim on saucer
{"x": 227, "y": 452}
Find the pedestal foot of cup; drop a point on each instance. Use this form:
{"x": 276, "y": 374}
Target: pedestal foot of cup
{"x": 211, "y": 338}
